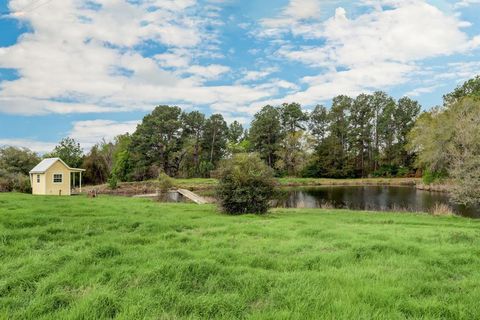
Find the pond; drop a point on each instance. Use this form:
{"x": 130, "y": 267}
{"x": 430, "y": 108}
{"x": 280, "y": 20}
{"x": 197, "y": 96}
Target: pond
{"x": 375, "y": 198}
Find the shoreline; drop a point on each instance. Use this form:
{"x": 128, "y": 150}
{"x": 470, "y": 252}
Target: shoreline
{"x": 205, "y": 184}
{"x": 196, "y": 184}
{"x": 310, "y": 182}
{"x": 443, "y": 188}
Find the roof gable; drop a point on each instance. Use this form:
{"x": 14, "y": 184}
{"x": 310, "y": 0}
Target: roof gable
{"x": 45, "y": 164}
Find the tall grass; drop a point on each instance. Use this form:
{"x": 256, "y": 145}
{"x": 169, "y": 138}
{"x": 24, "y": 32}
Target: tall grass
{"x": 124, "y": 258}
{"x": 441, "y": 209}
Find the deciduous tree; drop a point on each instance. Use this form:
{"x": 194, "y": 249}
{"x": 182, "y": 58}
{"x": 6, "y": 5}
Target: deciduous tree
{"x": 69, "y": 151}
{"x": 215, "y": 139}
{"x": 18, "y": 160}
{"x": 266, "y": 134}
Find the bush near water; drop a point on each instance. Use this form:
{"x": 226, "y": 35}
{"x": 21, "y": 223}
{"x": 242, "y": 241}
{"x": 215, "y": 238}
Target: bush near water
{"x": 246, "y": 184}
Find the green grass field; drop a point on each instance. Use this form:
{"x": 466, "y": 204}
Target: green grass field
{"x": 116, "y": 257}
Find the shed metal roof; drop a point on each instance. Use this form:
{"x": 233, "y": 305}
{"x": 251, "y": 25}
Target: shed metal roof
{"x": 45, "y": 164}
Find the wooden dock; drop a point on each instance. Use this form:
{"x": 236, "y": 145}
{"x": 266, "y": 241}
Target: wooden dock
{"x": 186, "y": 193}
{"x": 192, "y": 196}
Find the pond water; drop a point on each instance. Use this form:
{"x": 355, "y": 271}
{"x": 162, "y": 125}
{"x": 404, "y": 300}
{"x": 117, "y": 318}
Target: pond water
{"x": 375, "y": 198}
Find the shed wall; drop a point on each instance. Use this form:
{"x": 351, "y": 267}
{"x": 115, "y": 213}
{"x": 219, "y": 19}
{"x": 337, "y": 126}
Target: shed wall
{"x": 38, "y": 187}
{"x": 53, "y": 188}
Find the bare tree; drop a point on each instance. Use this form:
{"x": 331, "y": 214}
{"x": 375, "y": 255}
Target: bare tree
{"x": 464, "y": 152}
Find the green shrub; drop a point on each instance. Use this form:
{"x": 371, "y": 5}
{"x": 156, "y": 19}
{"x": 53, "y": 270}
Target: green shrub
{"x": 112, "y": 182}
{"x": 391, "y": 170}
{"x": 5, "y": 184}
{"x": 14, "y": 182}
{"x": 246, "y": 184}
{"x": 430, "y": 176}
{"x": 205, "y": 169}
{"x": 165, "y": 182}
{"x": 386, "y": 171}
{"x": 402, "y": 172}
{"x": 21, "y": 183}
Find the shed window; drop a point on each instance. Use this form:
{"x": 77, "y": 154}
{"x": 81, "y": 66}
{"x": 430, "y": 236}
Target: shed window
{"x": 57, "y": 178}
{"x": 38, "y": 178}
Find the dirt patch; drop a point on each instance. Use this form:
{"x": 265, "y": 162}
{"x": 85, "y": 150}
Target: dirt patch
{"x": 127, "y": 189}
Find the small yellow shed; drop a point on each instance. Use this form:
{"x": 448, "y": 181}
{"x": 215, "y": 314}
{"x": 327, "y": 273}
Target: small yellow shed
{"x": 52, "y": 176}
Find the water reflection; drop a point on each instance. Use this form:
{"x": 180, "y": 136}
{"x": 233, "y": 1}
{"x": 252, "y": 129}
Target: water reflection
{"x": 383, "y": 198}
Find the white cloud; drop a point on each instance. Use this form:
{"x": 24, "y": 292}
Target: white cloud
{"x": 457, "y": 71}
{"x": 302, "y": 9}
{"x": 34, "y": 145}
{"x": 241, "y": 119}
{"x": 422, "y": 90}
{"x": 87, "y": 133}
{"x": 376, "y": 50}
{"x": 292, "y": 17}
{"x": 210, "y": 72}
{"x": 256, "y": 75}
{"x": 352, "y": 82}
{"x": 33, "y": 106}
{"x": 466, "y": 3}
{"x": 176, "y": 58}
{"x": 90, "y": 132}
{"x": 386, "y": 36}
{"x": 84, "y": 59}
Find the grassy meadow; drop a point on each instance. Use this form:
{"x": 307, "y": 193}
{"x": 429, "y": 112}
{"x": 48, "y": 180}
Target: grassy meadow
{"x": 124, "y": 258}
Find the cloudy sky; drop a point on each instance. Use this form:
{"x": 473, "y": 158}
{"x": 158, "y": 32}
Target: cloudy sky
{"x": 91, "y": 69}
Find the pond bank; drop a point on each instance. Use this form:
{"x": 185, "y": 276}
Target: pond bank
{"x": 307, "y": 182}
{"x": 198, "y": 184}
{"x": 445, "y": 188}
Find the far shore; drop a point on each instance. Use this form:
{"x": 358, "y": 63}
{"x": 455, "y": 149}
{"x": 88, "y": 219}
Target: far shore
{"x": 199, "y": 184}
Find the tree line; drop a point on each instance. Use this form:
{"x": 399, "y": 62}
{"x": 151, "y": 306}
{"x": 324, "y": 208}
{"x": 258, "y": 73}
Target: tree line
{"x": 366, "y": 136}
{"x": 356, "y": 137}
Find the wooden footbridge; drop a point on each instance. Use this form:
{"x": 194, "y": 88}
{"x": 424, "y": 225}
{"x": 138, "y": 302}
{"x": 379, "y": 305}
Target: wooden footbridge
{"x": 192, "y": 196}
{"x": 184, "y": 192}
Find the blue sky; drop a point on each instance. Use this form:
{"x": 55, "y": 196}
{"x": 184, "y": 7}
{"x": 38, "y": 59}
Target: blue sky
{"x": 91, "y": 69}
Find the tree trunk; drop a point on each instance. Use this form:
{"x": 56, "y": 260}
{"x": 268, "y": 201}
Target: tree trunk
{"x": 195, "y": 155}
{"x": 213, "y": 144}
